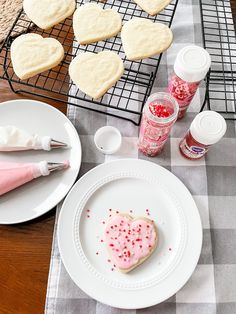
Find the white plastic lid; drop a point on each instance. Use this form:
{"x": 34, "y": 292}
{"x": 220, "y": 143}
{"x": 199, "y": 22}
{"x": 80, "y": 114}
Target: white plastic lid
{"x": 192, "y": 63}
{"x": 208, "y": 127}
{"x": 108, "y": 139}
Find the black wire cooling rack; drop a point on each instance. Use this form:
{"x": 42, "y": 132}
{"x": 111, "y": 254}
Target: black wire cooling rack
{"x": 220, "y": 41}
{"x": 125, "y": 99}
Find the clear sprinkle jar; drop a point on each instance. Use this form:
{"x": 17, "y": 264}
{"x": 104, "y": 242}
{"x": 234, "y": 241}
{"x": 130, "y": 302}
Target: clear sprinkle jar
{"x": 207, "y": 128}
{"x": 190, "y": 68}
{"x": 159, "y": 114}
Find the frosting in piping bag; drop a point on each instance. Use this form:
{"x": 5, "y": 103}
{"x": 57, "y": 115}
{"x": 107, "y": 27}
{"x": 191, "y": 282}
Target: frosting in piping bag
{"x": 15, "y": 139}
{"x": 13, "y": 175}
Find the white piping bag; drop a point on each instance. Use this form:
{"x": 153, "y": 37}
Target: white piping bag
{"x": 15, "y": 139}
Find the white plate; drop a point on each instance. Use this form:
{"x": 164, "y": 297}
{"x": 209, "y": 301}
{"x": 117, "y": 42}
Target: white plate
{"x": 36, "y": 198}
{"x": 123, "y": 185}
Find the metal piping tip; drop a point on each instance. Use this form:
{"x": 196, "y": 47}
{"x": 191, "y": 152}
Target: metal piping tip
{"x": 53, "y": 166}
{"x": 57, "y": 144}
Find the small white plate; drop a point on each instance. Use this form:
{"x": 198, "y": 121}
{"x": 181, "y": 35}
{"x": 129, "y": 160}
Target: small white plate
{"x": 39, "y": 196}
{"x": 130, "y": 185}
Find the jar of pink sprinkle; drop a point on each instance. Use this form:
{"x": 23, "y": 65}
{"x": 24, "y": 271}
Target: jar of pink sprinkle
{"x": 190, "y": 68}
{"x": 159, "y": 114}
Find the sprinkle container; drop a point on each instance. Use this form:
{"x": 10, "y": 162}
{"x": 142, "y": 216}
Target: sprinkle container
{"x": 159, "y": 114}
{"x": 191, "y": 66}
{"x": 207, "y": 128}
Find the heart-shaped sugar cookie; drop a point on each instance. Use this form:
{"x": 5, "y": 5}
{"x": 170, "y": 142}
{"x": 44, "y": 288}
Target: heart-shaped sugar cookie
{"x": 130, "y": 241}
{"x": 47, "y": 13}
{"x": 32, "y": 54}
{"x": 152, "y": 7}
{"x": 95, "y": 73}
{"x": 91, "y": 23}
{"x": 141, "y": 38}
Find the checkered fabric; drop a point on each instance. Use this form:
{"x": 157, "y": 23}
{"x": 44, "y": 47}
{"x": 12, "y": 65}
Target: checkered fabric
{"x": 211, "y": 180}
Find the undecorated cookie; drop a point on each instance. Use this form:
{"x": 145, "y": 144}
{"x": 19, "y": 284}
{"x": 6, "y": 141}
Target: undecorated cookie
{"x": 141, "y": 38}
{"x": 91, "y": 23}
{"x": 47, "y": 13}
{"x": 95, "y": 73}
{"x": 152, "y": 7}
{"x": 32, "y": 54}
{"x": 130, "y": 241}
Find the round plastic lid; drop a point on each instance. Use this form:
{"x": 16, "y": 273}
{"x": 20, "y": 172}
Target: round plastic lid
{"x": 108, "y": 139}
{"x": 208, "y": 127}
{"x": 192, "y": 63}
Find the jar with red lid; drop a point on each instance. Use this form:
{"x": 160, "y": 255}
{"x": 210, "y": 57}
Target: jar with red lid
{"x": 159, "y": 114}
{"x": 207, "y": 128}
{"x": 190, "y": 68}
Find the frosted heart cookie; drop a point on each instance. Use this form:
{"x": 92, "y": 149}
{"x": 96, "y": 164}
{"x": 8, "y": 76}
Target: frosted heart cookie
{"x": 130, "y": 241}
{"x": 152, "y": 7}
{"x": 141, "y": 38}
{"x": 47, "y": 13}
{"x": 95, "y": 73}
{"x": 91, "y": 23}
{"x": 32, "y": 54}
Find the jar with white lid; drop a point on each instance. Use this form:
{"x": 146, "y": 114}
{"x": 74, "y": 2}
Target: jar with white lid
{"x": 207, "y": 128}
{"x": 190, "y": 68}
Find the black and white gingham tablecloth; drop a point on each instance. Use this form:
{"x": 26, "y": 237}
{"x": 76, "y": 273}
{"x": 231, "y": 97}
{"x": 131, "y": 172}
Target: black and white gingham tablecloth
{"x": 212, "y": 182}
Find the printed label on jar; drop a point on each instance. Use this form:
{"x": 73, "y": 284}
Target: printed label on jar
{"x": 150, "y": 142}
{"x": 197, "y": 150}
{"x": 154, "y": 136}
{"x": 193, "y": 152}
{"x": 182, "y": 91}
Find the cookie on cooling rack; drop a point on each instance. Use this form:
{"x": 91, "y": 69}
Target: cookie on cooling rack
{"x": 152, "y": 7}
{"x": 91, "y": 23}
{"x": 141, "y": 38}
{"x": 95, "y": 73}
{"x": 32, "y": 54}
{"x": 47, "y": 13}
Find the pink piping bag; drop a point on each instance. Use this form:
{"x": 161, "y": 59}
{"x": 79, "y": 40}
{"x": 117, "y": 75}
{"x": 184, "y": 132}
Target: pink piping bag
{"x": 13, "y": 175}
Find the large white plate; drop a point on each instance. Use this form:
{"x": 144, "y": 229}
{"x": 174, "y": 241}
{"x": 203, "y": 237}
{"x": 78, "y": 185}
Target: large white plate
{"x": 41, "y": 195}
{"x": 123, "y": 185}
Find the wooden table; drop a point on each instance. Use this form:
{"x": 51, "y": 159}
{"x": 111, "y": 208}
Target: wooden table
{"x": 25, "y": 253}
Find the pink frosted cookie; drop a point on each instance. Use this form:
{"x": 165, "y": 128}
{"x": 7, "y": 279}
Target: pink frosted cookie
{"x": 130, "y": 241}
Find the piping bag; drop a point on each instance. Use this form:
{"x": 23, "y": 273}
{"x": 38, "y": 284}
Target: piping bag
{"x": 15, "y": 139}
{"x": 13, "y": 175}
